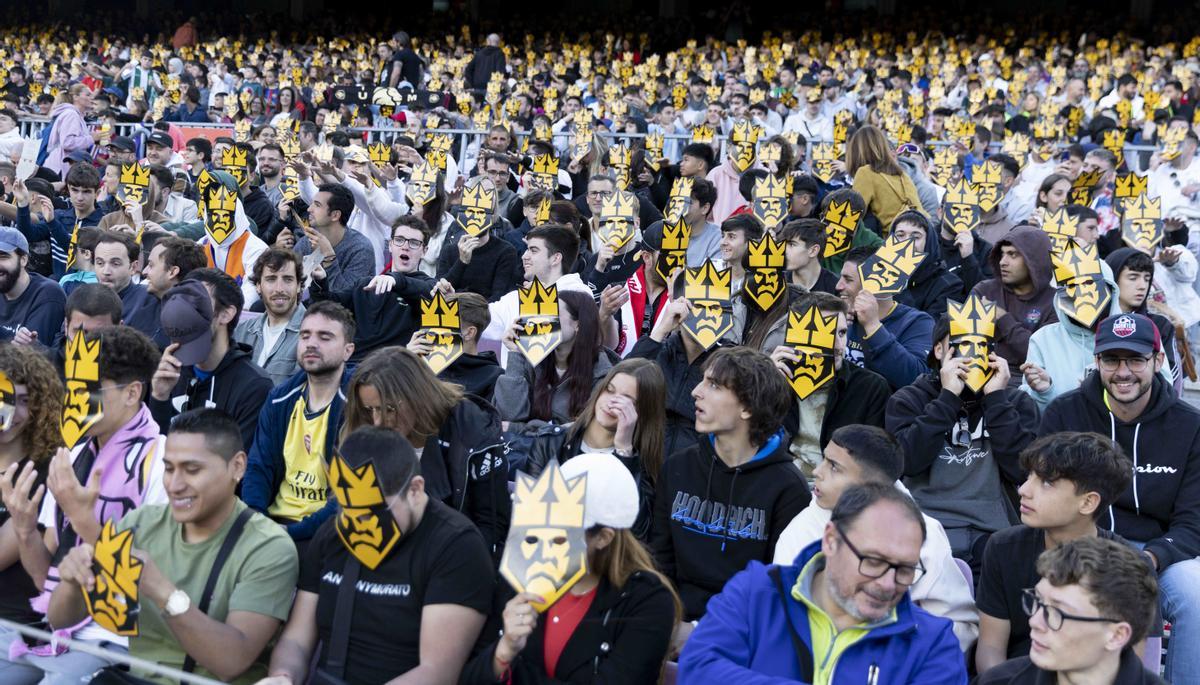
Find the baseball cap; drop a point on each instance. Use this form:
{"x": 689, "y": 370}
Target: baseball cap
{"x": 123, "y": 143}
{"x": 186, "y": 318}
{"x": 12, "y": 240}
{"x": 356, "y": 153}
{"x": 79, "y": 156}
{"x": 1131, "y": 332}
{"x": 611, "y": 498}
{"x": 160, "y": 138}
{"x": 652, "y": 237}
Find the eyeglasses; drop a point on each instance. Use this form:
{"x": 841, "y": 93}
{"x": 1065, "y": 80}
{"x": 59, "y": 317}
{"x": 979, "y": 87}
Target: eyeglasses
{"x": 1032, "y": 604}
{"x": 874, "y": 567}
{"x": 600, "y": 193}
{"x": 1134, "y": 364}
{"x": 410, "y": 243}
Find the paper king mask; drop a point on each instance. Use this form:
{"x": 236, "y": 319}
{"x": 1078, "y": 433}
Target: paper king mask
{"x": 945, "y": 161}
{"x": 543, "y": 175}
{"x": 546, "y": 552}
{"x": 680, "y": 200}
{"x": 8, "y": 402}
{"x": 654, "y": 150}
{"x": 673, "y": 254}
{"x": 1113, "y": 140}
{"x": 887, "y": 271}
{"x": 1083, "y": 295}
{"x": 81, "y": 403}
{"x": 1016, "y": 145}
{"x": 440, "y": 327}
{"x": 1141, "y": 224}
{"x": 477, "y": 210}
{"x": 617, "y": 216}
{"x": 619, "y": 158}
{"x": 812, "y": 338}
{"x": 707, "y": 290}
{"x": 1083, "y": 186}
{"x": 1171, "y": 144}
{"x": 235, "y": 162}
{"x": 986, "y": 178}
{"x": 1059, "y": 228}
{"x": 113, "y": 600}
{"x": 220, "y": 207}
{"x": 745, "y": 141}
{"x": 703, "y": 134}
{"x": 1128, "y": 186}
{"x": 134, "y": 183}
{"x": 422, "y": 184}
{"x": 960, "y": 207}
{"x": 840, "y": 224}
{"x": 538, "y": 315}
{"x": 365, "y": 523}
{"x": 769, "y": 201}
{"x": 823, "y": 157}
{"x": 972, "y": 329}
{"x": 764, "y": 280}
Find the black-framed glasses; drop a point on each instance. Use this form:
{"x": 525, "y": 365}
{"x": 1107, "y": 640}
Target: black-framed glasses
{"x": 1134, "y": 364}
{"x": 1031, "y": 604}
{"x": 410, "y": 243}
{"x": 874, "y": 567}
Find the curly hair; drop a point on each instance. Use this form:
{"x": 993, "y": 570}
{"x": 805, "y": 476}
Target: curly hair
{"x": 28, "y": 368}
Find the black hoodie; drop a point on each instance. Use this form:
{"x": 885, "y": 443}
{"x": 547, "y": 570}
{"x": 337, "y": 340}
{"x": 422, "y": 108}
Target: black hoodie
{"x": 1161, "y": 507}
{"x": 971, "y": 269}
{"x": 237, "y": 387}
{"x": 1022, "y": 314}
{"x": 489, "y": 59}
{"x": 710, "y": 520}
{"x": 387, "y": 319}
{"x": 477, "y": 373}
{"x": 931, "y": 284}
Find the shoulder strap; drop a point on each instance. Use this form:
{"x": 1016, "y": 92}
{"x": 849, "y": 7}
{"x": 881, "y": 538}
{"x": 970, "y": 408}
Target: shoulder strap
{"x": 335, "y": 664}
{"x": 235, "y": 532}
{"x": 803, "y": 653}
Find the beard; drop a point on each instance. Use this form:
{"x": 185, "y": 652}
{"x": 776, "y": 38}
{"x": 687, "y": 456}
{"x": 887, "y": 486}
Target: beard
{"x": 8, "y": 279}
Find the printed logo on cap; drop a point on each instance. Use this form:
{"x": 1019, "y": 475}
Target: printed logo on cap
{"x": 1124, "y": 327}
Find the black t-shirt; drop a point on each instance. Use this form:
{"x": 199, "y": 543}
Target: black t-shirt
{"x": 1010, "y": 566}
{"x": 410, "y": 66}
{"x": 443, "y": 561}
{"x": 16, "y": 588}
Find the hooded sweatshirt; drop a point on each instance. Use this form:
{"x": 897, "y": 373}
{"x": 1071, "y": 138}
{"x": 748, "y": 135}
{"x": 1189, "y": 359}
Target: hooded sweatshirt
{"x": 1161, "y": 507}
{"x": 931, "y": 284}
{"x": 1166, "y": 330}
{"x": 971, "y": 269}
{"x": 711, "y": 519}
{"x": 69, "y": 133}
{"x": 899, "y": 348}
{"x": 1022, "y": 314}
{"x": 240, "y": 249}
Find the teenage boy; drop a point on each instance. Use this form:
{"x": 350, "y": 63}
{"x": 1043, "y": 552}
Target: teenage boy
{"x": 58, "y": 225}
{"x": 804, "y": 241}
{"x": 474, "y": 370}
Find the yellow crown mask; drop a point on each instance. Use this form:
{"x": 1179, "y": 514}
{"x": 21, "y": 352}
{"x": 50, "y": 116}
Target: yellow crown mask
{"x": 544, "y": 173}
{"x": 538, "y": 315}
{"x": 887, "y": 271}
{"x": 220, "y": 210}
{"x": 986, "y": 178}
{"x": 823, "y": 157}
{"x": 476, "y": 212}
{"x": 112, "y": 602}
{"x": 365, "y": 523}
{"x": 960, "y": 206}
{"x": 422, "y": 184}
{"x": 617, "y": 216}
{"x": 770, "y": 200}
{"x": 1141, "y": 223}
{"x": 840, "y": 224}
{"x": 972, "y": 330}
{"x": 1083, "y": 296}
{"x": 440, "y": 326}
{"x": 81, "y": 401}
{"x": 812, "y": 337}
{"x": 707, "y": 289}
{"x": 764, "y": 282}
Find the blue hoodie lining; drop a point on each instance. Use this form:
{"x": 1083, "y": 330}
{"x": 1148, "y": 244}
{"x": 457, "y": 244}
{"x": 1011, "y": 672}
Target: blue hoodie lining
{"x": 768, "y": 447}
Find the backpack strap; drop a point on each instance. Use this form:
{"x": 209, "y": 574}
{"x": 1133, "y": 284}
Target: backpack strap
{"x": 335, "y": 665}
{"x": 803, "y": 653}
{"x": 231, "y": 539}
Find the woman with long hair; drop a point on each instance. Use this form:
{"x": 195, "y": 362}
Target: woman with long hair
{"x": 291, "y": 106}
{"x": 456, "y": 435}
{"x": 613, "y": 625}
{"x": 625, "y": 415}
{"x": 559, "y": 387}
{"x": 1052, "y": 194}
{"x": 32, "y": 437}
{"x": 878, "y": 177}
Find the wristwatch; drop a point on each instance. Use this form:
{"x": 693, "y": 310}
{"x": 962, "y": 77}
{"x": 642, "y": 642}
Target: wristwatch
{"x": 177, "y": 604}
{"x": 622, "y": 454}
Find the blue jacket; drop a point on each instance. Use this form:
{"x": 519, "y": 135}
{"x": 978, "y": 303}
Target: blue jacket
{"x": 265, "y": 467}
{"x": 58, "y": 231}
{"x": 743, "y": 639}
{"x": 899, "y": 350}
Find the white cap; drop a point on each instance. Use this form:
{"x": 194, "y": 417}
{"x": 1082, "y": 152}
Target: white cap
{"x": 612, "y": 495}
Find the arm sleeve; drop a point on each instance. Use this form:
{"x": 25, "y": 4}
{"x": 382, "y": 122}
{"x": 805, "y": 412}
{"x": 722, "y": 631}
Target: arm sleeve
{"x": 1035, "y": 356}
{"x": 250, "y": 398}
{"x": 944, "y": 663}
{"x": 662, "y": 546}
{"x": 32, "y": 232}
{"x": 359, "y": 265}
{"x": 502, "y": 280}
{"x": 1010, "y": 418}
{"x": 513, "y": 389}
{"x": 383, "y": 207}
{"x": 1182, "y": 539}
{"x": 265, "y": 583}
{"x": 990, "y": 596}
{"x": 900, "y": 361}
{"x": 637, "y": 652}
{"x": 793, "y": 501}
{"x": 920, "y": 427}
{"x": 262, "y": 475}
{"x": 47, "y": 314}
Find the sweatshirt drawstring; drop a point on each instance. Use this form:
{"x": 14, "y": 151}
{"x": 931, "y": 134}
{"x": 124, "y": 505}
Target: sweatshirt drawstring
{"x": 1137, "y": 429}
{"x": 728, "y": 505}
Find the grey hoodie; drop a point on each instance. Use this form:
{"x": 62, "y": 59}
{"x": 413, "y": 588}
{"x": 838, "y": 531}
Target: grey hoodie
{"x": 1023, "y": 314}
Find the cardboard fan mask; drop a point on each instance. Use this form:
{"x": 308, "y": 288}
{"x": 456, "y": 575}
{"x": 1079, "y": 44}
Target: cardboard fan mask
{"x": 972, "y": 330}
{"x": 1083, "y": 295}
{"x": 546, "y": 551}
{"x": 422, "y": 184}
{"x": 1128, "y": 186}
{"x": 477, "y": 211}
{"x": 8, "y": 402}
{"x": 707, "y": 290}
{"x": 364, "y": 522}
{"x": 1083, "y": 186}
{"x": 823, "y": 157}
{"x": 538, "y": 316}
{"x": 81, "y": 402}
{"x": 543, "y": 174}
{"x": 811, "y": 336}
{"x": 113, "y": 600}
{"x": 744, "y": 138}
{"x": 986, "y": 178}
{"x": 680, "y": 200}
{"x": 1059, "y": 228}
{"x": 961, "y": 210}
{"x": 887, "y": 271}
{"x": 133, "y": 184}
{"x": 440, "y": 327}
{"x": 840, "y": 224}
{"x": 220, "y": 209}
{"x": 236, "y": 162}
{"x": 764, "y": 279}
{"x": 620, "y": 159}
{"x": 769, "y": 200}
{"x": 617, "y": 216}
{"x": 1142, "y": 224}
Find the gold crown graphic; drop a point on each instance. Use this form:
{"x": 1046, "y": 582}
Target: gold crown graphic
{"x": 621, "y": 204}
{"x": 824, "y": 152}
{"x": 901, "y": 254}
{"x": 1113, "y": 139}
{"x": 550, "y": 500}
{"x": 438, "y": 313}
{"x": 545, "y": 164}
{"x": 682, "y": 187}
{"x": 538, "y": 300}
{"x": 1143, "y": 207}
{"x": 221, "y": 199}
{"x": 961, "y": 192}
{"x": 83, "y": 359}
{"x": 437, "y": 159}
{"x": 114, "y": 555}
{"x": 1085, "y": 180}
{"x": 379, "y": 153}
{"x": 356, "y": 488}
{"x": 424, "y": 172}
{"x": 675, "y": 236}
{"x": 1130, "y": 185}
{"x": 476, "y": 196}
{"x": 135, "y": 175}
{"x": 1045, "y": 129}
{"x": 706, "y": 283}
{"x": 620, "y": 156}
{"x": 770, "y": 186}
{"x": 811, "y": 329}
{"x": 840, "y": 214}
{"x": 703, "y": 134}
{"x": 440, "y": 142}
{"x": 234, "y": 156}
{"x": 1059, "y": 223}
{"x": 976, "y": 316}
{"x": 543, "y": 212}
{"x": 654, "y": 144}
{"x": 766, "y": 253}
{"x": 745, "y": 132}
{"x": 1075, "y": 261}
{"x": 986, "y": 173}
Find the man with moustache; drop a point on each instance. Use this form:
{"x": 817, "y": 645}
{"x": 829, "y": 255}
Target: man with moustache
{"x": 32, "y": 306}
{"x": 270, "y": 172}
{"x": 278, "y": 277}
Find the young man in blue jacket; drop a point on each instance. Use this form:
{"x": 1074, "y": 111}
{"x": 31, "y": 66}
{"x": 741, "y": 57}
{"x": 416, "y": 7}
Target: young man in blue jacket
{"x": 298, "y": 426}
{"x": 842, "y": 614}
{"x": 58, "y": 225}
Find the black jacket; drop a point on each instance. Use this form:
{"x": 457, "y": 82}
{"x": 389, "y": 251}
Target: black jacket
{"x": 237, "y": 387}
{"x": 553, "y": 442}
{"x": 477, "y": 373}
{"x": 931, "y": 285}
{"x": 1162, "y": 506}
{"x": 856, "y": 395}
{"x": 971, "y": 270}
{"x": 1166, "y": 330}
{"x": 1022, "y": 671}
{"x": 479, "y": 71}
{"x": 623, "y": 638}
{"x": 491, "y": 272}
{"x": 681, "y": 378}
{"x": 387, "y": 319}
{"x": 710, "y": 520}
{"x": 259, "y": 209}
{"x": 464, "y": 467}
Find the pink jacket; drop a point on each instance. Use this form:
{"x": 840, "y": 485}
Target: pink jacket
{"x": 729, "y": 199}
{"x": 70, "y": 133}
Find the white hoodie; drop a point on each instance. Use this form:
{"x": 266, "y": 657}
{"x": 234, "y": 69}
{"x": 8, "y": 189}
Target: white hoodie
{"x": 220, "y": 253}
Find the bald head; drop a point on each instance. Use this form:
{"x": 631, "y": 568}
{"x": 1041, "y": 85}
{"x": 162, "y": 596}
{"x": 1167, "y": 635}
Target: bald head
{"x": 493, "y": 40}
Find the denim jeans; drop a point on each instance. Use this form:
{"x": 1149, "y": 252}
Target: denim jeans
{"x": 1179, "y": 597}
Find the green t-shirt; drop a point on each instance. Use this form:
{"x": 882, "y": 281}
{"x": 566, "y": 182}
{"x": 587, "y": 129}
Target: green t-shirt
{"x": 259, "y": 576}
